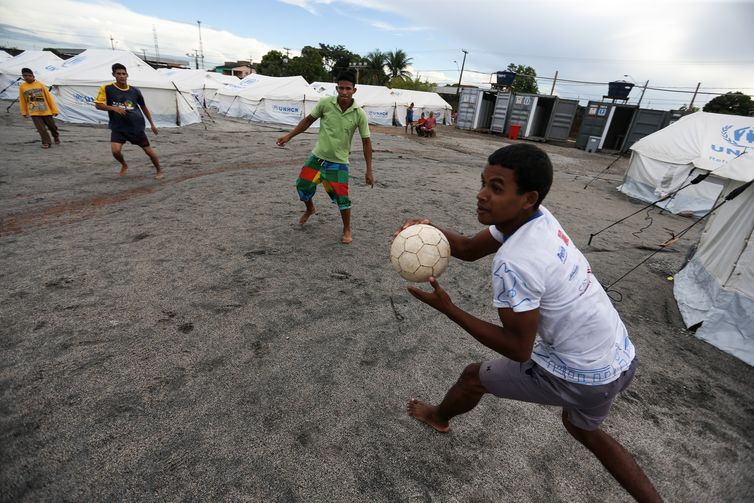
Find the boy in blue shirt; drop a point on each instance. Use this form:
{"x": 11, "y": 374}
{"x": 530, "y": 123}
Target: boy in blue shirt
{"x": 126, "y": 111}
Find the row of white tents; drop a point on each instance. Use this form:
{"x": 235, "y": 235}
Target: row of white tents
{"x": 74, "y": 84}
{"x": 715, "y": 289}
{"x": 176, "y": 97}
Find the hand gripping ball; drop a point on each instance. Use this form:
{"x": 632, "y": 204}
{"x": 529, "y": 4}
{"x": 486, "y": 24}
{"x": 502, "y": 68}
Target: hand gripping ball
{"x": 420, "y": 251}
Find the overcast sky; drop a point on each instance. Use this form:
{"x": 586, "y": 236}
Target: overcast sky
{"x": 673, "y": 44}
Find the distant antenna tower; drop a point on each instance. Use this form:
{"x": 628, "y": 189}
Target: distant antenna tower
{"x": 156, "y": 47}
{"x": 201, "y": 47}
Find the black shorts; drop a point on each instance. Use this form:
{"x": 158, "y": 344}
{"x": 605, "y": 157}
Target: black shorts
{"x": 140, "y": 139}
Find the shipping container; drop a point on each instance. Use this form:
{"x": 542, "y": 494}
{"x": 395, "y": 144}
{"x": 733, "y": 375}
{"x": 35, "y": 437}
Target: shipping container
{"x": 542, "y": 117}
{"x": 475, "y": 108}
{"x": 619, "y": 126}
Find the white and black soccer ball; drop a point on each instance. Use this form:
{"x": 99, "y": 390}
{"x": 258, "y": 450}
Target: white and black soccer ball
{"x": 420, "y": 251}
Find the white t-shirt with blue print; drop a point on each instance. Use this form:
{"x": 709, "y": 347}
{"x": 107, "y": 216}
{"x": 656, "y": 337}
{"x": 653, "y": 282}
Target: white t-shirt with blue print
{"x": 581, "y": 337}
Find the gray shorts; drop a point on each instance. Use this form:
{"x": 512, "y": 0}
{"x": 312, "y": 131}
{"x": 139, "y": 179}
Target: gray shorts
{"x": 587, "y": 406}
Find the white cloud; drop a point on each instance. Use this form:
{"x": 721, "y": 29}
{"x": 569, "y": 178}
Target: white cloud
{"x": 92, "y": 24}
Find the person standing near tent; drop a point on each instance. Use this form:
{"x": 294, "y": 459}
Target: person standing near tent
{"x": 560, "y": 339}
{"x": 339, "y": 116}
{"x": 410, "y": 118}
{"x": 35, "y": 101}
{"x": 126, "y": 110}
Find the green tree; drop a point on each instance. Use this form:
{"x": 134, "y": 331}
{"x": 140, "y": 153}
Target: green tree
{"x": 736, "y": 103}
{"x": 272, "y": 64}
{"x": 414, "y": 84}
{"x": 526, "y": 81}
{"x": 337, "y": 59}
{"x": 374, "y": 73}
{"x": 308, "y": 65}
{"x": 397, "y": 63}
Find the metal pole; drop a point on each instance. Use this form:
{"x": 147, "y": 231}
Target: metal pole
{"x": 463, "y": 64}
{"x": 694, "y": 97}
{"x": 552, "y": 91}
{"x": 201, "y": 46}
{"x": 638, "y": 105}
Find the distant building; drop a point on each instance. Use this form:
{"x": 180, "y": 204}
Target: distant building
{"x": 64, "y": 53}
{"x": 238, "y": 69}
{"x": 451, "y": 89}
{"x": 154, "y": 62}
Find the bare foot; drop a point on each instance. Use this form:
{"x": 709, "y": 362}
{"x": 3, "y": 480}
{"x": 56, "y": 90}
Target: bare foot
{"x": 425, "y": 413}
{"x": 306, "y": 216}
{"x": 347, "y": 237}
{"x": 123, "y": 170}
{"x": 159, "y": 175}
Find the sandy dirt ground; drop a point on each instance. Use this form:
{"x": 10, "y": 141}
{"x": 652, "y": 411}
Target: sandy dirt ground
{"x": 187, "y": 340}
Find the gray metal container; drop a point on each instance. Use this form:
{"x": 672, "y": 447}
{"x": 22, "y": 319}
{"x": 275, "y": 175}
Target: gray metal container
{"x": 500, "y": 112}
{"x": 542, "y": 116}
{"x": 619, "y": 126}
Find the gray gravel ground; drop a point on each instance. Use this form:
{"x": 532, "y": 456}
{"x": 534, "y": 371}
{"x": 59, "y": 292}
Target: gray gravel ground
{"x": 186, "y": 340}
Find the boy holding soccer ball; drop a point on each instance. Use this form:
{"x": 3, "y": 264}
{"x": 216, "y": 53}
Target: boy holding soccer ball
{"x": 542, "y": 286}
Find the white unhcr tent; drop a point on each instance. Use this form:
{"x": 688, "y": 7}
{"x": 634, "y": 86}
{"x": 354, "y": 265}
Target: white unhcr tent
{"x": 664, "y": 161}
{"x": 423, "y": 102}
{"x": 377, "y": 101}
{"x": 39, "y": 62}
{"x": 4, "y": 56}
{"x": 260, "y": 98}
{"x": 76, "y": 82}
{"x": 201, "y": 83}
{"x": 716, "y": 287}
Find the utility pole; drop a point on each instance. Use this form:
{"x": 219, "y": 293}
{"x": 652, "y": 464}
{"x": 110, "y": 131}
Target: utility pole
{"x": 643, "y": 89}
{"x": 357, "y": 67}
{"x": 201, "y": 46}
{"x": 460, "y": 77}
{"x": 112, "y": 43}
{"x": 156, "y": 47}
{"x": 694, "y": 97}
{"x": 287, "y": 52}
{"x": 195, "y": 56}
{"x": 552, "y": 91}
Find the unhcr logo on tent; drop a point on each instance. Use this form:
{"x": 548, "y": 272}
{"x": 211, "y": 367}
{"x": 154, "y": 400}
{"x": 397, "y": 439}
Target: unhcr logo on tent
{"x": 81, "y": 98}
{"x": 742, "y": 137}
{"x": 285, "y": 110}
{"x": 377, "y": 114}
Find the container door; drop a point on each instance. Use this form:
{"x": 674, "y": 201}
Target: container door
{"x": 467, "y": 108}
{"x": 593, "y": 123}
{"x": 562, "y": 119}
{"x": 500, "y": 115}
{"x": 645, "y": 123}
{"x": 520, "y": 111}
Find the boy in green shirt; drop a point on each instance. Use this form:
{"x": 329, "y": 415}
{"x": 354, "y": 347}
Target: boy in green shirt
{"x": 339, "y": 118}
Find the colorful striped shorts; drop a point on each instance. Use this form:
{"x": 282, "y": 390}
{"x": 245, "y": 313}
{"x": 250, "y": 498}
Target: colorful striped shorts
{"x": 332, "y": 175}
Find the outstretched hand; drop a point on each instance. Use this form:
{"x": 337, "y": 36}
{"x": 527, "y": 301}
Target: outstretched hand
{"x": 282, "y": 141}
{"x": 438, "y": 298}
{"x": 409, "y": 223}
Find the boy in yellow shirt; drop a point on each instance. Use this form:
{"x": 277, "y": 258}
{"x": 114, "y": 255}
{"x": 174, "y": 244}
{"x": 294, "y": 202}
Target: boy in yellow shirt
{"x": 35, "y": 101}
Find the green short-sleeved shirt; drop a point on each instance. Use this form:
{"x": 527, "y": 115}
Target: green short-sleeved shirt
{"x": 336, "y": 129}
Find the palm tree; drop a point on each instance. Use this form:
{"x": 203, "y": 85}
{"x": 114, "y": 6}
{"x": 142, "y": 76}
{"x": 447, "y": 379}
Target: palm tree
{"x": 397, "y": 61}
{"x": 374, "y": 73}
